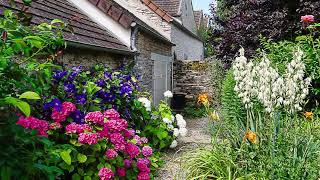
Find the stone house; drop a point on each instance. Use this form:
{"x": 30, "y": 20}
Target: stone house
{"x": 184, "y": 29}
{"x": 113, "y": 32}
{"x": 147, "y": 33}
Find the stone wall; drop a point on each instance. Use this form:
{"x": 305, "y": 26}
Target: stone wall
{"x": 85, "y": 57}
{"x": 192, "y": 78}
{"x": 146, "y": 45}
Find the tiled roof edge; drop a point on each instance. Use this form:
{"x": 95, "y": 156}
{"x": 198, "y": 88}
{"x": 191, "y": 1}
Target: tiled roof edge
{"x": 159, "y": 11}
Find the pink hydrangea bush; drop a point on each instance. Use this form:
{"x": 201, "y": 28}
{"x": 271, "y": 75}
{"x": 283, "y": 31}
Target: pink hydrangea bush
{"x": 104, "y": 136}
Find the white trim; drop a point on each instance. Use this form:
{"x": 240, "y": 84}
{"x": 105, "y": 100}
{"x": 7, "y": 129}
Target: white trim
{"x": 112, "y": 26}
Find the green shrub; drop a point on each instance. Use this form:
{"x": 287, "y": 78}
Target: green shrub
{"x": 216, "y": 163}
{"x": 194, "y": 112}
{"x": 232, "y": 107}
{"x": 217, "y": 73}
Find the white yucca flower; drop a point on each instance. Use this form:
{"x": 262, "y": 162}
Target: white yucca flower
{"x": 265, "y": 83}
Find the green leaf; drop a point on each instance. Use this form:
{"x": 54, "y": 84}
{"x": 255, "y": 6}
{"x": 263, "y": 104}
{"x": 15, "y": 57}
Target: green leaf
{"x": 76, "y": 176}
{"x": 24, "y": 107}
{"x": 5, "y": 173}
{"x": 29, "y": 95}
{"x": 82, "y": 158}
{"x": 55, "y": 21}
{"x": 65, "y": 155}
{"x": 87, "y": 178}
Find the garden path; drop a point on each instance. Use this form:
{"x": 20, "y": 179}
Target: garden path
{"x": 198, "y": 136}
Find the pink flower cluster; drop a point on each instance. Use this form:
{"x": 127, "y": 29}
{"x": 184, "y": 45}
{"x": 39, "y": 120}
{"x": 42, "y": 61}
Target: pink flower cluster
{"x": 144, "y": 170}
{"x": 111, "y": 154}
{"x": 111, "y": 114}
{"x": 66, "y": 109}
{"x": 34, "y": 123}
{"x": 105, "y": 174}
{"x": 78, "y": 128}
{"x": 88, "y": 138}
{"x": 55, "y": 126}
{"x": 95, "y": 117}
{"x": 307, "y": 18}
{"x": 132, "y": 150}
{"x": 147, "y": 151}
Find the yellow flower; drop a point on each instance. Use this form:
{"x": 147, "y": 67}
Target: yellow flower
{"x": 214, "y": 116}
{"x": 308, "y": 115}
{"x": 203, "y": 98}
{"x": 251, "y": 136}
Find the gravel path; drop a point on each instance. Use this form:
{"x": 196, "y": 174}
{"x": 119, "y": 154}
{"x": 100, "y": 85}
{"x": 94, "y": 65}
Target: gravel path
{"x": 198, "y": 136}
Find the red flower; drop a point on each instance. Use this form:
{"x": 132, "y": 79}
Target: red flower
{"x": 307, "y": 18}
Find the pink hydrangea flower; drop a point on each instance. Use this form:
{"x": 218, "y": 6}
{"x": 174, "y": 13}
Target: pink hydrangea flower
{"x": 42, "y": 133}
{"x": 132, "y": 150}
{"x": 78, "y": 128}
{"x": 58, "y": 116}
{"x": 138, "y": 140}
{"x": 143, "y": 165}
{"x": 104, "y": 133}
{"x": 88, "y": 138}
{"x": 117, "y": 125}
{"x": 55, "y": 125}
{"x": 121, "y": 172}
{"x": 127, "y": 163}
{"x": 95, "y": 117}
{"x": 147, "y": 151}
{"x": 143, "y": 176}
{"x": 144, "y": 140}
{"x": 68, "y": 108}
{"x": 128, "y": 133}
{"x": 111, "y": 154}
{"x": 105, "y": 174}
{"x": 34, "y": 123}
{"x": 118, "y": 141}
{"x": 307, "y": 18}
{"x": 111, "y": 114}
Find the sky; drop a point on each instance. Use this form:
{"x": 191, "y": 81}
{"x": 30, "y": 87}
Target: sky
{"x": 202, "y": 4}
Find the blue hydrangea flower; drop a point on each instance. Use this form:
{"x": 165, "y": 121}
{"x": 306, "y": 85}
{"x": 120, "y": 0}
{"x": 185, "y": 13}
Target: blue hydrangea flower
{"x": 100, "y": 82}
{"x": 69, "y": 88}
{"x": 77, "y": 69}
{"x": 54, "y": 103}
{"x": 72, "y": 76}
{"x": 78, "y": 117}
{"x": 81, "y": 98}
{"x": 106, "y": 96}
{"x": 108, "y": 75}
{"x": 125, "y": 89}
{"x": 58, "y": 75}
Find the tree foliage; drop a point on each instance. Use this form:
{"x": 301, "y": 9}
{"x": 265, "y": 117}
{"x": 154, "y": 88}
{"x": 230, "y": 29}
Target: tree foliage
{"x": 240, "y": 22}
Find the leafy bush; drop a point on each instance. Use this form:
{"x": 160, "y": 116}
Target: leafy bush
{"x": 25, "y": 63}
{"x": 217, "y": 74}
{"x": 216, "y": 163}
{"x": 241, "y": 22}
{"x": 194, "y": 111}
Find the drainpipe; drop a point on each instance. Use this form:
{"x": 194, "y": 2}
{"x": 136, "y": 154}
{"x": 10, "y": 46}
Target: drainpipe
{"x": 134, "y": 34}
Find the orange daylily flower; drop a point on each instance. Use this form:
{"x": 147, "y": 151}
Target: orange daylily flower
{"x": 308, "y": 115}
{"x": 203, "y": 98}
{"x": 251, "y": 136}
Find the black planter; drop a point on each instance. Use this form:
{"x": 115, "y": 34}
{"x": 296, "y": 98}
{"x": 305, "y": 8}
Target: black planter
{"x": 178, "y": 101}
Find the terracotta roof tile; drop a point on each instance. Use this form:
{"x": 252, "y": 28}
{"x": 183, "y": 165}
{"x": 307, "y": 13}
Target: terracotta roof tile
{"x": 170, "y": 6}
{"x": 85, "y": 30}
